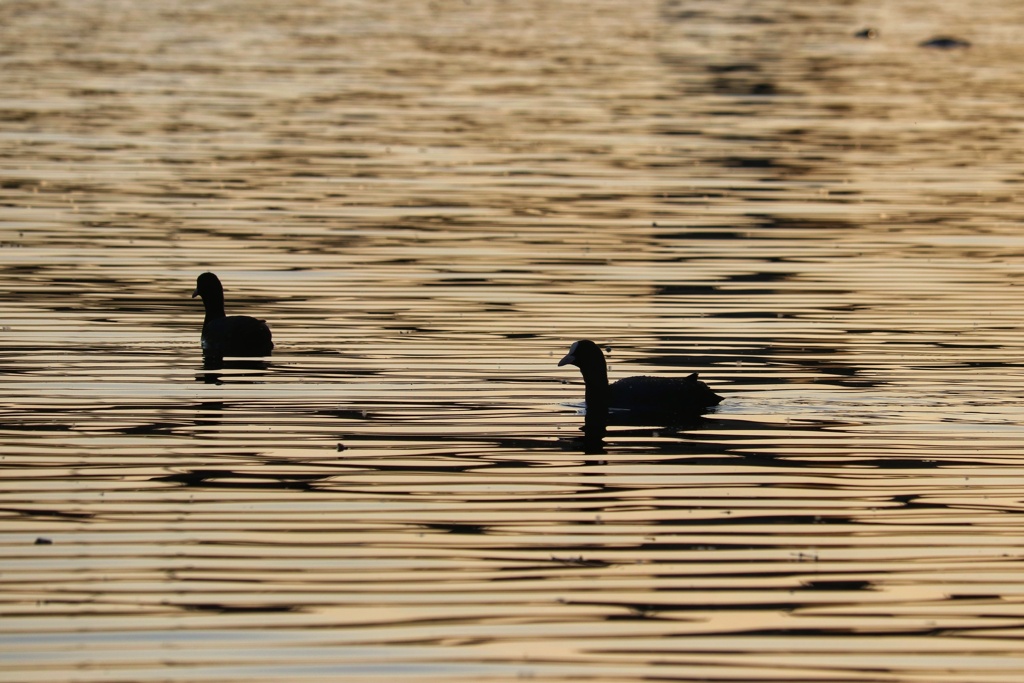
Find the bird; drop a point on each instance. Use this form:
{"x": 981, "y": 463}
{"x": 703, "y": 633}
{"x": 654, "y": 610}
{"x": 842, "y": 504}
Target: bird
{"x": 665, "y": 400}
{"x": 224, "y": 335}
{"x": 945, "y": 43}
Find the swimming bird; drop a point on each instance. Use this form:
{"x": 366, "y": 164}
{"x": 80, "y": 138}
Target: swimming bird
{"x": 665, "y": 400}
{"x": 223, "y": 335}
{"x": 945, "y": 43}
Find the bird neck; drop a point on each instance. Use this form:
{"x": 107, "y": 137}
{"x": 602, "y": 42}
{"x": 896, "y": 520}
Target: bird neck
{"x": 214, "y": 306}
{"x": 595, "y": 380}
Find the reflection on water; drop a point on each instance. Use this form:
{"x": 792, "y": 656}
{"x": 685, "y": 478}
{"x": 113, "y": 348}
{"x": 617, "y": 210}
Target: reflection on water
{"x": 430, "y": 205}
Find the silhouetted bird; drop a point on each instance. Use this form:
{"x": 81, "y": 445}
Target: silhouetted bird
{"x": 223, "y": 335}
{"x": 945, "y": 43}
{"x": 661, "y": 400}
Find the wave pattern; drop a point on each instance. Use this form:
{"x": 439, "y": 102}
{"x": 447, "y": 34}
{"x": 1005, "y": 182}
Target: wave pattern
{"x": 429, "y": 204}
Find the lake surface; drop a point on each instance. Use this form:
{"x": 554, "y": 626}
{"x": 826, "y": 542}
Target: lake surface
{"x": 429, "y": 202}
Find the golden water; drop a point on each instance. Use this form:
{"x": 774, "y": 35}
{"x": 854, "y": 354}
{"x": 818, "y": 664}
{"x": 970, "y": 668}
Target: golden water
{"x": 429, "y": 201}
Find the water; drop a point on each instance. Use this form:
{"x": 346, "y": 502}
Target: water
{"x": 429, "y": 202}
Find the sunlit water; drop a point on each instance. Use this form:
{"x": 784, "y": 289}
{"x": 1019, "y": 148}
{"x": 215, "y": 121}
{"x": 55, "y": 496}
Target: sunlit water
{"x": 429, "y": 202}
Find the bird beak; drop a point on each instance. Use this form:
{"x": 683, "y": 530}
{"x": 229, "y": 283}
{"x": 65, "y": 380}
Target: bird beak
{"x": 195, "y": 293}
{"x": 568, "y": 360}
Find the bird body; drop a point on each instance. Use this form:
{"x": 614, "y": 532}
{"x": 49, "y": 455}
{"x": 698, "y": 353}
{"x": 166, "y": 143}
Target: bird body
{"x": 666, "y": 400}
{"x": 223, "y": 335}
{"x": 662, "y": 395}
